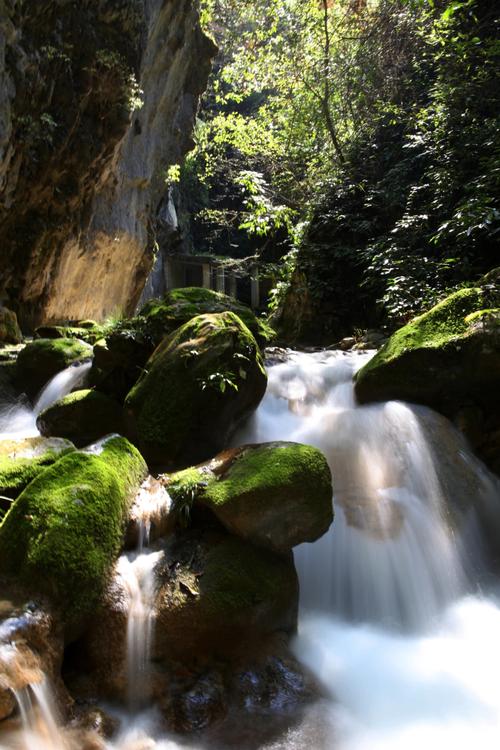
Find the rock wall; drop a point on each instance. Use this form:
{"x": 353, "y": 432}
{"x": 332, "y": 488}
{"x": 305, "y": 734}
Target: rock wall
{"x": 97, "y": 99}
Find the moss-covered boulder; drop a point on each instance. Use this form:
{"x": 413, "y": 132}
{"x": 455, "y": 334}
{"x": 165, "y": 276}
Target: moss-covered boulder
{"x": 63, "y": 533}
{"x": 162, "y": 316}
{"x": 83, "y": 417}
{"x": 120, "y": 357}
{"x": 22, "y": 460}
{"x": 445, "y": 358}
{"x": 88, "y": 331}
{"x": 218, "y": 593}
{"x": 10, "y": 333}
{"x": 448, "y": 359}
{"x": 41, "y": 359}
{"x": 7, "y": 378}
{"x": 276, "y": 495}
{"x": 199, "y": 384}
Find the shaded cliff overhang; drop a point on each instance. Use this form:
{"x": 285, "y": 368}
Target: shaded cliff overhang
{"x": 97, "y": 99}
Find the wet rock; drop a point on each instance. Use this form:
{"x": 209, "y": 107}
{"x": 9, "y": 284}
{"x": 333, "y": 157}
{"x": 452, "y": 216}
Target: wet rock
{"x": 96, "y": 721}
{"x": 218, "y": 595}
{"x": 347, "y": 343}
{"x": 40, "y": 360}
{"x": 65, "y": 530}
{"x": 10, "y": 333}
{"x": 22, "y": 460}
{"x": 7, "y": 700}
{"x": 199, "y": 706}
{"x": 151, "y": 513}
{"x": 31, "y": 648}
{"x": 200, "y": 383}
{"x": 276, "y": 495}
{"x": 82, "y": 417}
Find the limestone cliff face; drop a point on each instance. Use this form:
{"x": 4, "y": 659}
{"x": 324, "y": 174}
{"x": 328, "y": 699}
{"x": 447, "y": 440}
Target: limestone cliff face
{"x": 97, "y": 99}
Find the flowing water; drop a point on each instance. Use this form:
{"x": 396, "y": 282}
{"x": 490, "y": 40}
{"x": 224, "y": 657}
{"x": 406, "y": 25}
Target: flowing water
{"x": 399, "y": 618}
{"x": 392, "y": 622}
{"x": 18, "y": 420}
{"x": 136, "y": 571}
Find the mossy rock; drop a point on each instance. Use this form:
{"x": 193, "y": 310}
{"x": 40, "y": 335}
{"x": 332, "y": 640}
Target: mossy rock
{"x": 7, "y": 379}
{"x": 10, "y": 333}
{"x": 221, "y": 595}
{"x": 83, "y": 417}
{"x": 63, "y": 533}
{"x": 119, "y": 361}
{"x": 90, "y": 333}
{"x": 276, "y": 495}
{"x": 180, "y": 305}
{"x": 41, "y": 359}
{"x": 446, "y": 358}
{"x": 199, "y": 384}
{"x": 121, "y": 357}
{"x": 23, "y": 460}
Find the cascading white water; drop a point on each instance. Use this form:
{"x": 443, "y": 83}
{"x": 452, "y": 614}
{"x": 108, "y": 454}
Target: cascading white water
{"x": 396, "y": 552}
{"x": 136, "y": 570}
{"x": 404, "y": 550}
{"x": 391, "y": 622}
{"x": 40, "y": 719}
{"x": 19, "y": 420}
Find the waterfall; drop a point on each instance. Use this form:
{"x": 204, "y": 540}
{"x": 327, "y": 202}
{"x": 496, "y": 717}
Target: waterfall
{"x": 39, "y": 716}
{"x": 397, "y": 552}
{"x": 19, "y": 420}
{"x": 399, "y": 616}
{"x": 61, "y": 384}
{"x": 392, "y": 622}
{"x": 136, "y": 572}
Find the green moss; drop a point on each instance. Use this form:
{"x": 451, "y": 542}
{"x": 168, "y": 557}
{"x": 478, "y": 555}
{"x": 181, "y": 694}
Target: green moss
{"x": 17, "y": 469}
{"x": 238, "y": 577}
{"x": 63, "y": 533}
{"x": 489, "y": 317}
{"x": 193, "y": 378}
{"x": 180, "y": 305}
{"x": 90, "y": 333}
{"x": 9, "y": 328}
{"x": 436, "y": 328}
{"x": 265, "y": 471}
{"x": 82, "y": 416}
{"x": 276, "y": 495}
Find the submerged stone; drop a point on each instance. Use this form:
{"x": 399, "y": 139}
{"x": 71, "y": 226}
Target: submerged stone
{"x": 22, "y": 460}
{"x": 40, "y": 360}
{"x": 199, "y": 384}
{"x": 83, "y": 417}
{"x": 276, "y": 495}
{"x": 63, "y": 533}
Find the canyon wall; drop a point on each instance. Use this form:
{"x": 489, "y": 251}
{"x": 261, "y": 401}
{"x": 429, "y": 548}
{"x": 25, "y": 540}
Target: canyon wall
{"x": 97, "y": 99}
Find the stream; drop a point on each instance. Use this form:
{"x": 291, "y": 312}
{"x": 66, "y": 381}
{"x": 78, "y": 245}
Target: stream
{"x": 399, "y": 614}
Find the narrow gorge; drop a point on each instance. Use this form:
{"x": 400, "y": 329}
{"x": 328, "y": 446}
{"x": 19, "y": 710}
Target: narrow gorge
{"x": 249, "y": 369}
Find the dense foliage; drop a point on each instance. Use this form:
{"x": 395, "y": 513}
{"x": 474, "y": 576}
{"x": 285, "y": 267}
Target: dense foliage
{"x": 361, "y": 136}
